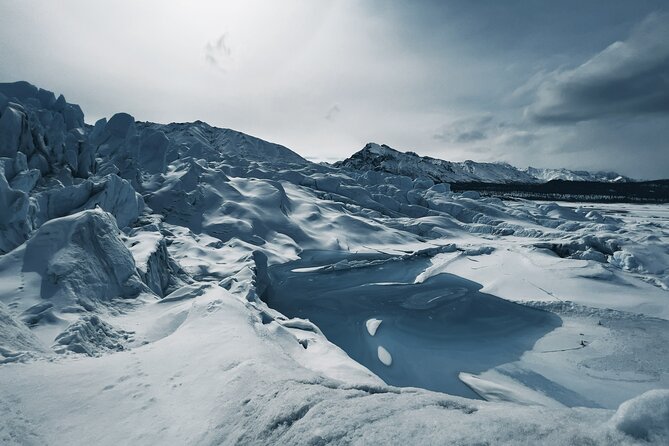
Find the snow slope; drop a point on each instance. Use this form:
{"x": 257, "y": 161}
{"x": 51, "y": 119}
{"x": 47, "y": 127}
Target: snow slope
{"x": 186, "y": 284}
{"x": 383, "y": 158}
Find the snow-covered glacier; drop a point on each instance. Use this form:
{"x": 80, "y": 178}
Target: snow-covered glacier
{"x": 185, "y": 284}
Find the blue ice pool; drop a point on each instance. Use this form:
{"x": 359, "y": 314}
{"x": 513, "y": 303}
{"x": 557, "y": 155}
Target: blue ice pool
{"x": 431, "y": 331}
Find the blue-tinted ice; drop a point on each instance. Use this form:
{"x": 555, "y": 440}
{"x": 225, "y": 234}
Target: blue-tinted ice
{"x": 433, "y": 330}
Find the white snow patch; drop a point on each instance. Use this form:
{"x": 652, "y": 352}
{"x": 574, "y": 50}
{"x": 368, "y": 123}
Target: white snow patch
{"x": 373, "y": 325}
{"x": 384, "y": 356}
{"x": 645, "y": 417}
{"x": 505, "y": 389}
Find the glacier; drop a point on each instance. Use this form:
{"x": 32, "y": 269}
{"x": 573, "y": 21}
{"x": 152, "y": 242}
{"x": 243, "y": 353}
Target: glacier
{"x": 188, "y": 284}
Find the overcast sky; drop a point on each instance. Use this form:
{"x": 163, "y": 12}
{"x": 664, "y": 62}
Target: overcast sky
{"x": 578, "y": 84}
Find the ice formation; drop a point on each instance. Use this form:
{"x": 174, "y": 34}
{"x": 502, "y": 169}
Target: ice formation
{"x": 186, "y": 284}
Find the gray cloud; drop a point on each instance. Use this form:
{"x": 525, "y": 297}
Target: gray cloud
{"x": 628, "y": 78}
{"x": 465, "y": 130}
{"x": 523, "y": 138}
{"x": 472, "y": 135}
{"x": 218, "y": 52}
{"x": 332, "y": 113}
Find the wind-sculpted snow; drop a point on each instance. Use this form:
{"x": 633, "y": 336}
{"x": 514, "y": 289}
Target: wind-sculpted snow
{"x": 109, "y": 193}
{"x": 197, "y": 285}
{"x": 75, "y": 264}
{"x": 91, "y": 336}
{"x": 17, "y": 341}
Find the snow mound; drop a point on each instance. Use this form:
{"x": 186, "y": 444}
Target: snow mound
{"x": 82, "y": 263}
{"x": 645, "y": 417}
{"x": 17, "y": 342}
{"x": 185, "y": 292}
{"x": 506, "y": 390}
{"x": 91, "y": 336}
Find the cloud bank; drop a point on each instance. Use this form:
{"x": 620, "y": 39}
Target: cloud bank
{"x": 628, "y": 78}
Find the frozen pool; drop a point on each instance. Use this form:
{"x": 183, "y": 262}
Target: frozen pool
{"x": 409, "y": 334}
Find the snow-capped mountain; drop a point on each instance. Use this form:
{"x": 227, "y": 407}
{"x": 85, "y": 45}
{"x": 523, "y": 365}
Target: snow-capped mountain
{"x": 576, "y": 175}
{"x": 185, "y": 284}
{"x": 383, "y": 158}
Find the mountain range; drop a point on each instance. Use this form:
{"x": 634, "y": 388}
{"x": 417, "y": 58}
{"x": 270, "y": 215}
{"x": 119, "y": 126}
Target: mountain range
{"x": 383, "y": 158}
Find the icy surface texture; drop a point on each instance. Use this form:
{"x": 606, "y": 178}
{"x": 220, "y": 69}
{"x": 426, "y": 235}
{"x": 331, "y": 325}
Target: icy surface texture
{"x": 197, "y": 285}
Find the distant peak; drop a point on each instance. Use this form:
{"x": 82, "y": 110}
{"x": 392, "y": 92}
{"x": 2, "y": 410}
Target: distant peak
{"x": 380, "y": 157}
